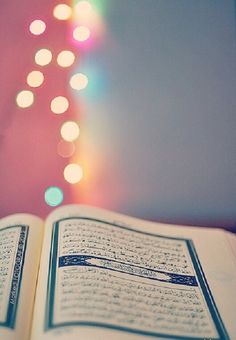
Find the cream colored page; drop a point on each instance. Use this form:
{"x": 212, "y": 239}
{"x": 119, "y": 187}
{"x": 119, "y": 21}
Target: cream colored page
{"x": 109, "y": 279}
{"x": 20, "y": 245}
{"x": 232, "y": 242}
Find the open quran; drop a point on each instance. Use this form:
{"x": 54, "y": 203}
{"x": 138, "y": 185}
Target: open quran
{"x": 87, "y": 273}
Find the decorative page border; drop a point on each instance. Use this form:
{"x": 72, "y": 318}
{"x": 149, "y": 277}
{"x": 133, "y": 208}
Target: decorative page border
{"x": 53, "y": 263}
{"x": 16, "y": 276}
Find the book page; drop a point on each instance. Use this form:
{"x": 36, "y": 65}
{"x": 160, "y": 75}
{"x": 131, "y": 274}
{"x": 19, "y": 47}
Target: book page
{"x": 106, "y": 276}
{"x": 20, "y": 246}
{"x": 232, "y": 242}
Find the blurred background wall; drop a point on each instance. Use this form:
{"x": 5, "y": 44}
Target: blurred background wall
{"x": 156, "y": 114}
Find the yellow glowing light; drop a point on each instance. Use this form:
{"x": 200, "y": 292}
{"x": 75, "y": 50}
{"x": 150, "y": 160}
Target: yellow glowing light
{"x": 62, "y": 12}
{"x": 25, "y": 98}
{"x": 83, "y": 7}
{"x": 81, "y": 33}
{"x": 35, "y": 78}
{"x": 78, "y": 81}
{"x": 65, "y": 149}
{"x": 59, "y": 104}
{"x": 70, "y": 131}
{"x": 37, "y": 27}
{"x": 43, "y": 57}
{"x": 65, "y": 58}
{"x": 73, "y": 173}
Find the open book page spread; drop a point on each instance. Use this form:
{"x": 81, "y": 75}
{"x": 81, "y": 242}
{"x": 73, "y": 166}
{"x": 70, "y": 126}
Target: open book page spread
{"x": 110, "y": 276}
{"x": 13, "y": 240}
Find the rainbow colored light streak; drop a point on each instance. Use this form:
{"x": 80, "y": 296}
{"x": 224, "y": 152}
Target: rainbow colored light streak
{"x": 90, "y": 16}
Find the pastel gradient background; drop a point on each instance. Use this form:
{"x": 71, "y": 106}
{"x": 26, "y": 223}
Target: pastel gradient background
{"x": 157, "y": 120}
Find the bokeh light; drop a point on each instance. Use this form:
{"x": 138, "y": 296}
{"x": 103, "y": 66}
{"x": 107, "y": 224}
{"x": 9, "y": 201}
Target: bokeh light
{"x": 85, "y": 14}
{"x": 43, "y": 57}
{"x": 62, "y": 12}
{"x": 65, "y": 149}
{"x": 25, "y": 98}
{"x": 53, "y": 196}
{"x": 83, "y": 7}
{"x": 35, "y": 78}
{"x": 81, "y": 33}
{"x": 88, "y": 24}
{"x": 65, "y": 58}
{"x": 73, "y": 173}
{"x": 37, "y": 27}
{"x": 70, "y": 131}
{"x": 78, "y": 81}
{"x": 59, "y": 104}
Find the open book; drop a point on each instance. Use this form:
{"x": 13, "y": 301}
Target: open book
{"x": 90, "y": 274}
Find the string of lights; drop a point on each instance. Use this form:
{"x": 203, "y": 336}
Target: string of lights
{"x": 80, "y": 16}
